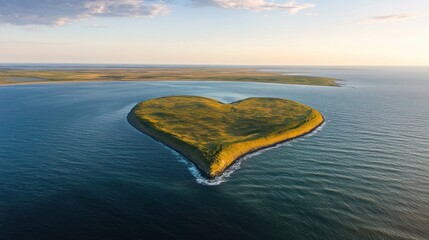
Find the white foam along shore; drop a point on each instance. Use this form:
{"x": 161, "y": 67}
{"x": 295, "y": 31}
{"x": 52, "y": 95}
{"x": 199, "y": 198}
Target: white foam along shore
{"x": 200, "y": 179}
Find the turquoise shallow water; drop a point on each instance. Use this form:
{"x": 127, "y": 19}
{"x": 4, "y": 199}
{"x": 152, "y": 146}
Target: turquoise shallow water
{"x": 71, "y": 167}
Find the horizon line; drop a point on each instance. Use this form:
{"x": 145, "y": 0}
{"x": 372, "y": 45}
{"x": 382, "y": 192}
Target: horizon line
{"x": 213, "y": 65}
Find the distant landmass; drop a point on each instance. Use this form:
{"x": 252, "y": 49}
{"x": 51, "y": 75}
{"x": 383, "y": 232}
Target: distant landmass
{"x": 38, "y": 76}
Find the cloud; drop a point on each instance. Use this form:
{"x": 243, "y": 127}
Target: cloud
{"x": 60, "y": 12}
{"x": 258, "y": 5}
{"x": 32, "y": 43}
{"x": 394, "y": 17}
{"x": 95, "y": 26}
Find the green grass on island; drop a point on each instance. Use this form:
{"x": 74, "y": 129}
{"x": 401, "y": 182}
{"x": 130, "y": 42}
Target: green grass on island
{"x": 213, "y": 135}
{"x": 20, "y": 76}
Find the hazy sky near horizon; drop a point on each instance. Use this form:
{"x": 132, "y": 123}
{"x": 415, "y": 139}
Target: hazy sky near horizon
{"x": 255, "y": 32}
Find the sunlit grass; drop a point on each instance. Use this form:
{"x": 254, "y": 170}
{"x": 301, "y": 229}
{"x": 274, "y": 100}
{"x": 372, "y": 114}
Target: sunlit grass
{"x": 213, "y": 135}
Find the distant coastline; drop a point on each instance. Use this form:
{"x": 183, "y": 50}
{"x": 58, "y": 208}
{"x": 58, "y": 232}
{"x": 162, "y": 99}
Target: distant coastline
{"x": 10, "y": 76}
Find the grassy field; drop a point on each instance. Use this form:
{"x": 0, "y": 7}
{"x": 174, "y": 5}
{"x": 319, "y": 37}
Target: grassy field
{"x": 19, "y": 76}
{"x": 213, "y": 135}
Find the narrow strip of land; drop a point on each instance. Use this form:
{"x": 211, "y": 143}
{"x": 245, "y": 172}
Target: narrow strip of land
{"x": 22, "y": 76}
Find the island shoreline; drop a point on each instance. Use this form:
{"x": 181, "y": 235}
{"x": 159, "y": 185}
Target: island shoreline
{"x": 133, "y": 120}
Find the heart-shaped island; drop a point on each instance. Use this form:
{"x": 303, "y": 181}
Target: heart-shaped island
{"x": 213, "y": 135}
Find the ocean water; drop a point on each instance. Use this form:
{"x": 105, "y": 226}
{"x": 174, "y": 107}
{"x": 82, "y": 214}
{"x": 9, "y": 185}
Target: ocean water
{"x": 71, "y": 167}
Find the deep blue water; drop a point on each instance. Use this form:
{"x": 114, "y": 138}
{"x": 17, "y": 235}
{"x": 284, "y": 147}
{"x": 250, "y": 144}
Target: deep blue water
{"x": 71, "y": 167}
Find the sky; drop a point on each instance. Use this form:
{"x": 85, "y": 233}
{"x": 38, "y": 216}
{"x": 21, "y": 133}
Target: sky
{"x": 219, "y": 32}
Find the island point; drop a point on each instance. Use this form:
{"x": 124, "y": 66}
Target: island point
{"x": 213, "y": 135}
